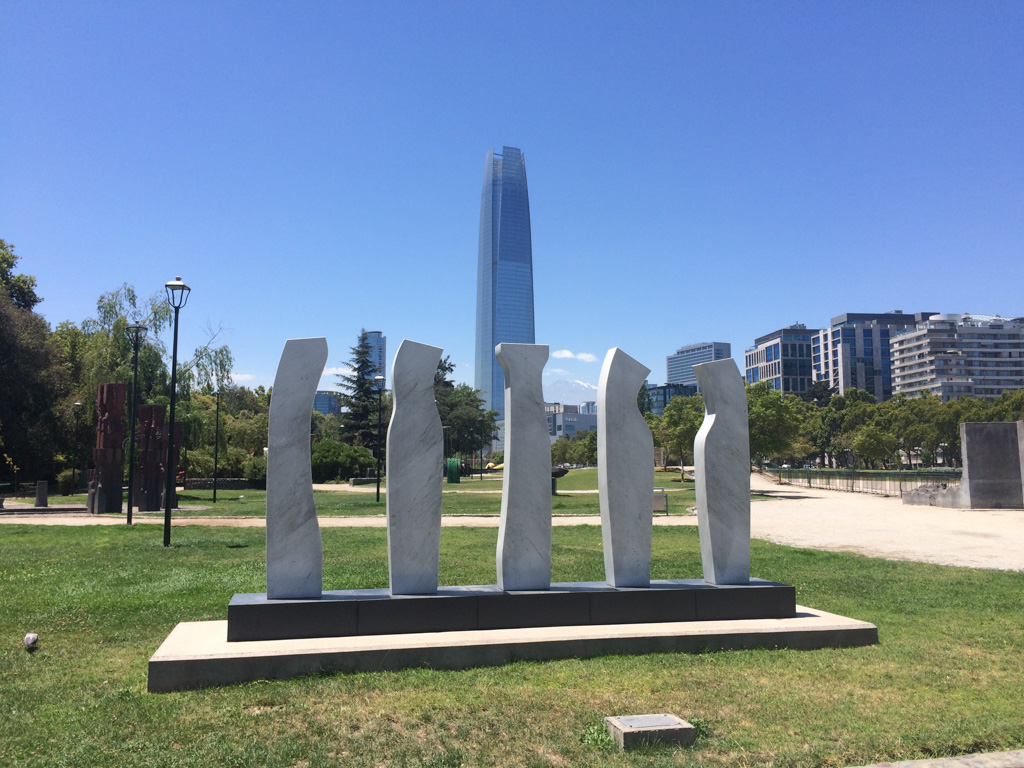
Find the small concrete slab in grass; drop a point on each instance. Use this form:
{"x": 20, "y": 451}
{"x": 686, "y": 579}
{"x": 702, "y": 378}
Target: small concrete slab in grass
{"x": 631, "y": 730}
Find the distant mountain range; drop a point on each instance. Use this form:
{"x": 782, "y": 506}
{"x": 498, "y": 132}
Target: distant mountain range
{"x": 569, "y": 392}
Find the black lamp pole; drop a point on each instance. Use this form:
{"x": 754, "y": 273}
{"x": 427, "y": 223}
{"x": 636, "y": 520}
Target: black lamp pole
{"x": 77, "y": 444}
{"x": 380, "y": 401}
{"x": 177, "y": 295}
{"x": 139, "y": 331}
{"x": 216, "y": 445}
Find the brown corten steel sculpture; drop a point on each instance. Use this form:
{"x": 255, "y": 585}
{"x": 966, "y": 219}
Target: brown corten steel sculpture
{"x": 108, "y": 455}
{"x": 151, "y": 439}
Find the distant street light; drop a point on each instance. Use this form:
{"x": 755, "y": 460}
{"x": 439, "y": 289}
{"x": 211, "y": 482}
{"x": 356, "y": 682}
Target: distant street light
{"x": 77, "y": 444}
{"x": 380, "y": 400}
{"x": 216, "y": 445}
{"x": 177, "y": 295}
{"x": 138, "y": 331}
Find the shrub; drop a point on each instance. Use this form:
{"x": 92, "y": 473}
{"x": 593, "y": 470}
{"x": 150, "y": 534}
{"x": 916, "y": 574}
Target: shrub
{"x": 333, "y": 460}
{"x": 66, "y": 482}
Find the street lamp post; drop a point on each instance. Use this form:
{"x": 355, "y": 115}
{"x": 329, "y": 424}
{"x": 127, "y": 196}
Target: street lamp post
{"x": 216, "y": 445}
{"x": 138, "y": 330}
{"x": 380, "y": 402}
{"x": 78, "y": 412}
{"x": 177, "y": 295}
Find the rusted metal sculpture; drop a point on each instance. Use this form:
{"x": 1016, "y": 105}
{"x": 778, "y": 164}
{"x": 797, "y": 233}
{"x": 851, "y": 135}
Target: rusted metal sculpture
{"x": 150, "y": 437}
{"x": 108, "y": 455}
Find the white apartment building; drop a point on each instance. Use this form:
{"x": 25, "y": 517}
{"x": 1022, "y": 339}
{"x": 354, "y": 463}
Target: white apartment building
{"x": 959, "y": 356}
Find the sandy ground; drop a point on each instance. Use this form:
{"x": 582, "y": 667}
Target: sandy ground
{"x": 886, "y": 527}
{"x": 817, "y": 519}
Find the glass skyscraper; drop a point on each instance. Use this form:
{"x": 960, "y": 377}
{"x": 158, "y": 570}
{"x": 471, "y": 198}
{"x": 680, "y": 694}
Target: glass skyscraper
{"x": 504, "y": 294}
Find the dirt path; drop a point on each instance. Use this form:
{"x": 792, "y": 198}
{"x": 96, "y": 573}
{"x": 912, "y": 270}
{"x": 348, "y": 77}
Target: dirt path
{"x": 816, "y": 519}
{"x": 886, "y": 527}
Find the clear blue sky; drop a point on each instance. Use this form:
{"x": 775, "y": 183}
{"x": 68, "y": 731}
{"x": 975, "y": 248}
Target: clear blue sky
{"x": 698, "y": 170}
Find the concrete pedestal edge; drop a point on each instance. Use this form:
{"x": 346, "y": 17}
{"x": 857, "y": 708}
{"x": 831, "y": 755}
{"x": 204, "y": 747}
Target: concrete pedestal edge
{"x": 197, "y": 654}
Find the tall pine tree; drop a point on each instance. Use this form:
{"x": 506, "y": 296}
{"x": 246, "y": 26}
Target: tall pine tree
{"x": 359, "y": 399}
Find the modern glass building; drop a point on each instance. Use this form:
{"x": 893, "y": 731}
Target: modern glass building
{"x": 504, "y": 295}
{"x": 679, "y": 367}
{"x": 378, "y": 351}
{"x": 854, "y": 351}
{"x": 327, "y": 402}
{"x": 783, "y": 359}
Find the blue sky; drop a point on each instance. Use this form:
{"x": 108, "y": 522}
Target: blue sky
{"x": 698, "y": 171}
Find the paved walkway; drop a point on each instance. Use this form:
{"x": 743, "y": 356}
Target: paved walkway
{"x": 838, "y": 521}
{"x": 1014, "y": 759}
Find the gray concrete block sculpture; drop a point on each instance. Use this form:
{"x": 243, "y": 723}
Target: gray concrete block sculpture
{"x": 721, "y": 459}
{"x": 625, "y": 463}
{"x": 415, "y": 454}
{"x": 295, "y": 554}
{"x": 524, "y": 532}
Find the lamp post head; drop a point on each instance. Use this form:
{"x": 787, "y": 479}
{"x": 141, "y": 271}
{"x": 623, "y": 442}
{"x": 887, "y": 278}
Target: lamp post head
{"x": 177, "y": 293}
{"x": 78, "y": 405}
{"x": 380, "y": 381}
{"x": 138, "y": 329}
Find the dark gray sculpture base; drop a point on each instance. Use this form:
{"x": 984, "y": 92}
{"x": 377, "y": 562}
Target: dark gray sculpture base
{"x": 346, "y": 613}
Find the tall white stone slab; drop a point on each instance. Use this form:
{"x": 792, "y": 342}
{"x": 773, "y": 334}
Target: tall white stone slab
{"x": 625, "y": 467}
{"x": 524, "y": 533}
{"x": 295, "y": 554}
{"x": 721, "y": 458}
{"x": 415, "y": 454}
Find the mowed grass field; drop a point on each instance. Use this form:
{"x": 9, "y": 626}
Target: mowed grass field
{"x": 947, "y": 677}
{"x": 471, "y": 496}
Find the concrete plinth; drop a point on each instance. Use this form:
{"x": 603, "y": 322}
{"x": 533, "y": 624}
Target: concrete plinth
{"x": 632, "y": 730}
{"x": 198, "y": 654}
{"x": 377, "y": 612}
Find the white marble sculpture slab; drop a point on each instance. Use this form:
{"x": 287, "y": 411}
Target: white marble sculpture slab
{"x": 625, "y": 466}
{"x": 295, "y": 553}
{"x": 721, "y": 458}
{"x": 415, "y": 454}
{"x": 524, "y": 532}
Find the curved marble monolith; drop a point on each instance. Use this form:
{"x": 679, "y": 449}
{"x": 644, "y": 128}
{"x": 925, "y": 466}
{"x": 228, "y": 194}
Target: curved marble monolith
{"x": 415, "y": 454}
{"x": 625, "y": 465}
{"x": 295, "y": 554}
{"x": 721, "y": 458}
{"x": 524, "y": 532}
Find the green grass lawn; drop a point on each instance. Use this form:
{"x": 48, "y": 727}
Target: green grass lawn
{"x": 463, "y": 498}
{"x": 947, "y": 677}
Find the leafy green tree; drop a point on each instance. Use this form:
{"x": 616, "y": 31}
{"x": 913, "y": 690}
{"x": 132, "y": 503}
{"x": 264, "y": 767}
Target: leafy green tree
{"x": 819, "y": 393}
{"x": 659, "y": 432}
{"x": 359, "y": 398}
{"x": 29, "y": 386}
{"x": 332, "y": 460}
{"x": 644, "y": 401}
{"x": 583, "y": 448}
{"x": 560, "y": 450}
{"x": 469, "y": 426}
{"x": 774, "y": 421}
{"x": 21, "y": 289}
{"x": 682, "y": 419}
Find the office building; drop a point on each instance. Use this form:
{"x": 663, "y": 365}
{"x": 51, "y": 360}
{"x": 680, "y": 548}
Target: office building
{"x": 661, "y": 394}
{"x": 680, "y": 365}
{"x": 955, "y": 356}
{"x": 565, "y": 423}
{"x": 327, "y": 402}
{"x": 783, "y": 359}
{"x": 378, "y": 352}
{"x": 854, "y": 350}
{"x": 504, "y": 299}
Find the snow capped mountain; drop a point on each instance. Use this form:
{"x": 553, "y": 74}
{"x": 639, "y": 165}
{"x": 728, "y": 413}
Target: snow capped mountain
{"x": 567, "y": 392}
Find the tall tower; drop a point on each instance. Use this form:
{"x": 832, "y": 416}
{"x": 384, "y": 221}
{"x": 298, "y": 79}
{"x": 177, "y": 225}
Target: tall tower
{"x": 504, "y": 293}
{"x": 378, "y": 351}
